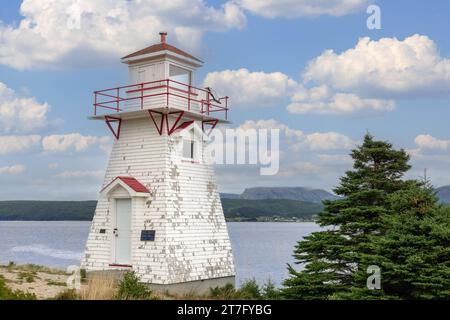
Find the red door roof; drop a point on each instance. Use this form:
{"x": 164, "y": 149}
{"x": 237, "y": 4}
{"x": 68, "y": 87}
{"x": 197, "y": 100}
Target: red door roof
{"x": 132, "y": 183}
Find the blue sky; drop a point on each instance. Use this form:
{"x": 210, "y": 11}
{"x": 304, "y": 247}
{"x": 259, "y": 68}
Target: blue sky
{"x": 49, "y": 150}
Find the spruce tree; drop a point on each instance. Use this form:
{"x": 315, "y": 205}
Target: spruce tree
{"x": 331, "y": 257}
{"x": 414, "y": 252}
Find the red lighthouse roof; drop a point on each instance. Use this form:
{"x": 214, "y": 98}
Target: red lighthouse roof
{"x": 162, "y": 46}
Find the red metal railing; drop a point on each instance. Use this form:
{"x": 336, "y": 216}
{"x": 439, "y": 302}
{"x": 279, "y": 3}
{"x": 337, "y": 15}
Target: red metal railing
{"x": 162, "y": 93}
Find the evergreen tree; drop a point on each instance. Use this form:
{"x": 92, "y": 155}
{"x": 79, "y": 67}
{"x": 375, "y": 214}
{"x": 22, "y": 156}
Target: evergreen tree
{"x": 332, "y": 257}
{"x": 414, "y": 252}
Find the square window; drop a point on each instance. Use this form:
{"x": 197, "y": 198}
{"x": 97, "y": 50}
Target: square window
{"x": 188, "y": 149}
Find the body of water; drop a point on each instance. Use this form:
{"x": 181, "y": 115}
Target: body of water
{"x": 261, "y": 249}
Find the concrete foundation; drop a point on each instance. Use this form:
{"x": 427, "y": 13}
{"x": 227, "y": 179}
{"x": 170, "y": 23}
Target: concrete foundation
{"x": 199, "y": 287}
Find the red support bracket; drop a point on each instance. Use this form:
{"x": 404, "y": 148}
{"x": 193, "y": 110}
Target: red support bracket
{"x": 171, "y": 129}
{"x": 109, "y": 120}
{"x": 212, "y": 123}
{"x": 161, "y": 126}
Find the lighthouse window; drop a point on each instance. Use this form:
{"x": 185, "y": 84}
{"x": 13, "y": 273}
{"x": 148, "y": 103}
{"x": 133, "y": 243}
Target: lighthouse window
{"x": 188, "y": 149}
{"x": 179, "y": 75}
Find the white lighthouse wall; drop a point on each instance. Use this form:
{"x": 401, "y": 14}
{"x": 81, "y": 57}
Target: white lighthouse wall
{"x": 141, "y": 153}
{"x": 191, "y": 238}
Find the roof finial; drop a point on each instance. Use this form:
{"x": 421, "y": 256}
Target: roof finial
{"x": 163, "y": 36}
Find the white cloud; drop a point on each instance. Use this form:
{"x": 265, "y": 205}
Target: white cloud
{"x": 96, "y": 174}
{"x": 335, "y": 158}
{"x": 65, "y": 33}
{"x": 321, "y": 100}
{"x": 20, "y": 113}
{"x": 385, "y": 67}
{"x": 252, "y": 88}
{"x": 303, "y": 168}
{"x": 426, "y": 141}
{"x": 328, "y": 141}
{"x": 255, "y": 89}
{"x": 14, "y": 144}
{"x": 297, "y": 139}
{"x": 300, "y": 8}
{"x": 73, "y": 142}
{"x": 267, "y": 124}
{"x": 15, "y": 169}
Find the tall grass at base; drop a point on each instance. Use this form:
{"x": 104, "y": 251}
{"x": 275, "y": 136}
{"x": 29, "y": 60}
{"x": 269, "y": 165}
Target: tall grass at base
{"x": 99, "y": 288}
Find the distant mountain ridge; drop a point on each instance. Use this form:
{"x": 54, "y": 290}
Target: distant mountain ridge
{"x": 254, "y": 204}
{"x": 286, "y": 193}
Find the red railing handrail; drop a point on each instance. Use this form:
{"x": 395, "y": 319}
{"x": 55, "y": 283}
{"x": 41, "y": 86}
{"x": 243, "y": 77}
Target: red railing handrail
{"x": 192, "y": 96}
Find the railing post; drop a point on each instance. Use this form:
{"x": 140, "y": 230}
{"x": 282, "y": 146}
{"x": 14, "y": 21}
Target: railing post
{"x": 95, "y": 103}
{"x": 142, "y": 96}
{"x": 226, "y": 108}
{"x": 117, "y": 102}
{"x": 208, "y": 103}
{"x": 189, "y": 97}
{"x": 167, "y": 92}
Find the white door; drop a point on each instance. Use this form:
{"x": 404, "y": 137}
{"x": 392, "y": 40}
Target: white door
{"x": 123, "y": 231}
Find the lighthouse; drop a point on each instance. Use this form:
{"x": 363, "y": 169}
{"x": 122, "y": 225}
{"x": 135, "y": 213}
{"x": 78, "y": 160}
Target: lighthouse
{"x": 159, "y": 212}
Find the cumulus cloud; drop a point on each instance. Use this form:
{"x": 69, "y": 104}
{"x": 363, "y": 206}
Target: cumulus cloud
{"x": 321, "y": 100}
{"x": 15, "y": 144}
{"x": 297, "y": 139}
{"x": 15, "y": 169}
{"x": 426, "y": 141}
{"x": 96, "y": 174}
{"x": 256, "y": 89}
{"x": 20, "y": 113}
{"x": 251, "y": 88}
{"x": 62, "y": 33}
{"x": 384, "y": 67}
{"x": 73, "y": 142}
{"x": 271, "y": 124}
{"x": 303, "y": 168}
{"x": 301, "y": 8}
{"x": 328, "y": 141}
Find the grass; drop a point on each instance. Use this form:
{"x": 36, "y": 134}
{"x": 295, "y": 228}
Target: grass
{"x": 8, "y": 294}
{"x": 129, "y": 288}
{"x": 99, "y": 288}
{"x": 31, "y": 268}
{"x": 56, "y": 283}
{"x": 28, "y": 276}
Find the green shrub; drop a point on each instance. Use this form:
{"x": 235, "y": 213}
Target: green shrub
{"x": 83, "y": 275}
{"x": 227, "y": 292}
{"x": 250, "y": 290}
{"x": 130, "y": 288}
{"x": 8, "y": 294}
{"x": 68, "y": 294}
{"x": 27, "y": 276}
{"x": 270, "y": 292}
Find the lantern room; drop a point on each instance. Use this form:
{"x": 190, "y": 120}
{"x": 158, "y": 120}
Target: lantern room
{"x": 162, "y": 61}
{"x": 161, "y": 80}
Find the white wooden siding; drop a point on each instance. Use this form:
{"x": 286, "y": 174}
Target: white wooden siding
{"x": 191, "y": 237}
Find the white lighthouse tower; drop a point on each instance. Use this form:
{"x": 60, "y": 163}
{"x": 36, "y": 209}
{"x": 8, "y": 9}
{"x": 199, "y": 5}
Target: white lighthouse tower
{"x": 159, "y": 212}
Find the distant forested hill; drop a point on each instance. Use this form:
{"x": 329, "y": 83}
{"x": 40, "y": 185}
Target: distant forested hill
{"x": 234, "y": 209}
{"x": 47, "y": 210}
{"x": 288, "y": 193}
{"x": 242, "y": 209}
